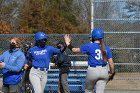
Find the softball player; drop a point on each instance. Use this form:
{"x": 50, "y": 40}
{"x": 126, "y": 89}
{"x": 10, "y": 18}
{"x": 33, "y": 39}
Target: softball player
{"x": 99, "y": 56}
{"x": 40, "y": 56}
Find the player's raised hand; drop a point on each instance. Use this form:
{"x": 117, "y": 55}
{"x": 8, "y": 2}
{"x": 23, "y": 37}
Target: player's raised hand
{"x": 67, "y": 39}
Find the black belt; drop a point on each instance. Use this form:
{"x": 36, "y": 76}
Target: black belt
{"x": 42, "y": 69}
{"x": 98, "y": 65}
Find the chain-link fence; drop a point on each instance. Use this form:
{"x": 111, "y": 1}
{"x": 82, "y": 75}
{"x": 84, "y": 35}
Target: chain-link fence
{"x": 117, "y": 15}
{"x": 126, "y": 52}
{"x": 120, "y": 19}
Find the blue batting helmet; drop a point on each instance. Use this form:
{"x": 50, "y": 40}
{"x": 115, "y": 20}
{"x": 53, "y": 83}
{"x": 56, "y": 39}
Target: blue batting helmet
{"x": 40, "y": 35}
{"x": 97, "y": 33}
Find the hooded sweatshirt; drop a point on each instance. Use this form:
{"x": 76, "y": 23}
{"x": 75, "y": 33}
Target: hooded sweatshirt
{"x": 14, "y": 61}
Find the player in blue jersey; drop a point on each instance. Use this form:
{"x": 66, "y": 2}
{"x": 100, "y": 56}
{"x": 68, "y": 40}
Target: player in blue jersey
{"x": 12, "y": 62}
{"x": 99, "y": 55}
{"x": 40, "y": 56}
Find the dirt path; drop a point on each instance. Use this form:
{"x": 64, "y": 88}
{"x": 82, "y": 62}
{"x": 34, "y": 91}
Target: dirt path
{"x": 125, "y": 81}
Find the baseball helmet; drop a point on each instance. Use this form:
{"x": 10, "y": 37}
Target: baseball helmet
{"x": 40, "y": 35}
{"x": 97, "y": 33}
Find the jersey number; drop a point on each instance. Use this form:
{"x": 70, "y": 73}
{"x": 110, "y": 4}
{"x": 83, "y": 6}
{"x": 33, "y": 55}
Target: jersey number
{"x": 98, "y": 54}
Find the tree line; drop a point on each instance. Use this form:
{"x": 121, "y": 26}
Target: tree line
{"x": 66, "y": 16}
{"x": 51, "y": 16}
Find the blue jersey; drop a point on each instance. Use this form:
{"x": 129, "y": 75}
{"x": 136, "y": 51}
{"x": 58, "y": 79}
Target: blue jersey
{"x": 93, "y": 50}
{"x": 41, "y": 57}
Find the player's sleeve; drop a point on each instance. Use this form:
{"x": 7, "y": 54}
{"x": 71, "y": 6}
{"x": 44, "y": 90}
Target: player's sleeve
{"x": 54, "y": 50}
{"x": 84, "y": 49}
{"x": 109, "y": 53}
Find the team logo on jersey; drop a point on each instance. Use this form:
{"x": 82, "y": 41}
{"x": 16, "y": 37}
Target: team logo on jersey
{"x": 42, "y": 52}
{"x": 13, "y": 58}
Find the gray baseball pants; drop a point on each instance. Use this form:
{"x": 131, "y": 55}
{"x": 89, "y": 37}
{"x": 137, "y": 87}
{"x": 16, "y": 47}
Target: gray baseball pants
{"x": 96, "y": 79}
{"x": 38, "y": 80}
{"x": 63, "y": 86}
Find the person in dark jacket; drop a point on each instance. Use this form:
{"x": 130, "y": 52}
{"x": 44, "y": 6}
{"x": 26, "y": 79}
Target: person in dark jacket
{"x": 11, "y": 63}
{"x": 63, "y": 62}
{"x": 26, "y": 86}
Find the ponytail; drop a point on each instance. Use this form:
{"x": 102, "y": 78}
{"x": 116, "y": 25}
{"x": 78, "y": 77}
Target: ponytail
{"x": 104, "y": 55}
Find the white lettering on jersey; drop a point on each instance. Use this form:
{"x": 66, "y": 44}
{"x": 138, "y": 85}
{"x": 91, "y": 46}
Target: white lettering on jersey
{"x": 98, "y": 54}
{"x": 42, "y": 52}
